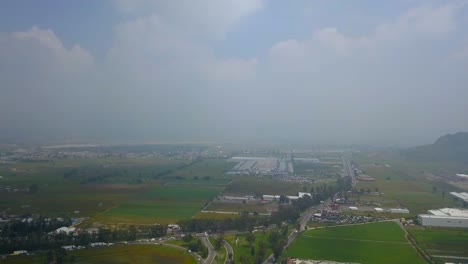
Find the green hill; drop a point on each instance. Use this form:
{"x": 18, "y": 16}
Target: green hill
{"x": 451, "y": 147}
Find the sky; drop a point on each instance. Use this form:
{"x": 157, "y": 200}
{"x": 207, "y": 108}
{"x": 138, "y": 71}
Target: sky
{"x": 318, "y": 72}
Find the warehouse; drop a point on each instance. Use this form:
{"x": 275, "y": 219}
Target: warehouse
{"x": 463, "y": 196}
{"x": 446, "y": 217}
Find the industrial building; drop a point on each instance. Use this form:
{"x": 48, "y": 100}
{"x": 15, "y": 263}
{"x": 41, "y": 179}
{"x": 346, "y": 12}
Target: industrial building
{"x": 445, "y": 217}
{"x": 399, "y": 211}
{"x": 462, "y": 196}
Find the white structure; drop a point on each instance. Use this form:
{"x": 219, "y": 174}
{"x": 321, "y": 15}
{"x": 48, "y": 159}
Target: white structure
{"x": 353, "y": 208}
{"x": 462, "y": 196}
{"x": 462, "y": 175}
{"x": 268, "y": 197}
{"x": 399, "y": 211}
{"x": 446, "y": 217}
{"x": 378, "y": 209}
{"x": 65, "y": 230}
{"x": 19, "y": 252}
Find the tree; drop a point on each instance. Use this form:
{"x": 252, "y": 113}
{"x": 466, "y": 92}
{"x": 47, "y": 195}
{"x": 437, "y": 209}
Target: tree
{"x": 283, "y": 199}
{"x": 443, "y": 194}
{"x": 218, "y": 242}
{"x": 34, "y": 188}
{"x": 250, "y": 238}
{"x": 434, "y": 189}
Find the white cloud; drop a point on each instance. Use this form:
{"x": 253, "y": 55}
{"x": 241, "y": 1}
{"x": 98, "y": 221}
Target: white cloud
{"x": 416, "y": 24}
{"x": 196, "y": 18}
{"x": 153, "y": 49}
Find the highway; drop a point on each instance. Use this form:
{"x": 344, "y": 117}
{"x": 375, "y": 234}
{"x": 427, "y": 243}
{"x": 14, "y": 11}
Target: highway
{"x": 348, "y": 169}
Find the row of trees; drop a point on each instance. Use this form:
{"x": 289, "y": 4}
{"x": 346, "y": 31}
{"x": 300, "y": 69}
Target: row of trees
{"x": 36, "y": 236}
{"x": 242, "y": 223}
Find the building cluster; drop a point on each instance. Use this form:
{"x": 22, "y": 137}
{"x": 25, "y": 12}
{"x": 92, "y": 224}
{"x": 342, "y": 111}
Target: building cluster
{"x": 261, "y": 166}
{"x": 272, "y": 197}
{"x": 445, "y": 217}
{"x": 43, "y": 154}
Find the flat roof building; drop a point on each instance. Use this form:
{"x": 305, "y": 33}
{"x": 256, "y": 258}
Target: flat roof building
{"x": 445, "y": 217}
{"x": 399, "y": 211}
{"x": 462, "y": 196}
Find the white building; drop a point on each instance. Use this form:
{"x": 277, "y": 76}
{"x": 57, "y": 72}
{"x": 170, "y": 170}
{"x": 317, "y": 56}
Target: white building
{"x": 446, "y": 217}
{"x": 462, "y": 196}
{"x": 399, "y": 211}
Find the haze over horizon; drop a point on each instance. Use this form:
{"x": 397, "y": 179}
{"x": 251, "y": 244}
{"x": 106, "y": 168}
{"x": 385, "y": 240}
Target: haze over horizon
{"x": 361, "y": 72}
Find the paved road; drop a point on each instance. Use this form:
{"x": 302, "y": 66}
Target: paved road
{"x": 229, "y": 250}
{"x": 348, "y": 169}
{"x": 211, "y": 251}
{"x": 195, "y": 255}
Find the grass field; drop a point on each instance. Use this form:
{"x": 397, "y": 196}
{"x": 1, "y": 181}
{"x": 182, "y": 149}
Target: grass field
{"x": 241, "y": 247}
{"x": 221, "y": 253}
{"x": 370, "y": 243}
{"x": 441, "y": 241}
{"x": 116, "y": 254}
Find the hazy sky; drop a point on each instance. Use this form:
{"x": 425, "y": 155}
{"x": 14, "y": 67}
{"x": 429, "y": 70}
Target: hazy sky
{"x": 378, "y": 72}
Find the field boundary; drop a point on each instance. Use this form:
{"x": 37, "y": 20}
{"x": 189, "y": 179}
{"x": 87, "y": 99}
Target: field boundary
{"x": 360, "y": 240}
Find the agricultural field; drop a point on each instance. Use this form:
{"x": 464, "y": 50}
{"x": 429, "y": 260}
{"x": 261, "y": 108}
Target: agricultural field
{"x": 115, "y": 254}
{"x": 405, "y": 185}
{"x": 318, "y": 170}
{"x": 382, "y": 242}
{"x": 209, "y": 168}
{"x": 251, "y": 207}
{"x": 112, "y": 190}
{"x": 441, "y": 241}
{"x": 251, "y": 185}
{"x": 161, "y": 204}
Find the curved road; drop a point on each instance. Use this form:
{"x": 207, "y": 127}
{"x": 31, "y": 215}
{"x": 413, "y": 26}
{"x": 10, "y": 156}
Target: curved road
{"x": 229, "y": 250}
{"x": 211, "y": 251}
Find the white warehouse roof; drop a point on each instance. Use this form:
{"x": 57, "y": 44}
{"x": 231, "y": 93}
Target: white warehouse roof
{"x": 450, "y": 212}
{"x": 463, "y": 196}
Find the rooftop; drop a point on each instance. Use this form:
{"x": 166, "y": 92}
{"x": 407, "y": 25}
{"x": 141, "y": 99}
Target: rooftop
{"x": 449, "y": 212}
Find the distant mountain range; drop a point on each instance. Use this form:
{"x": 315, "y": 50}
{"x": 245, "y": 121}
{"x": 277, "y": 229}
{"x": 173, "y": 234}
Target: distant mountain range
{"x": 451, "y": 147}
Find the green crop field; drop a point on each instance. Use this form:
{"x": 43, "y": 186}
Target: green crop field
{"x": 369, "y": 243}
{"x": 252, "y": 185}
{"x": 115, "y": 254}
{"x": 237, "y": 207}
{"x": 111, "y": 190}
{"x": 441, "y": 241}
{"x": 162, "y": 204}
